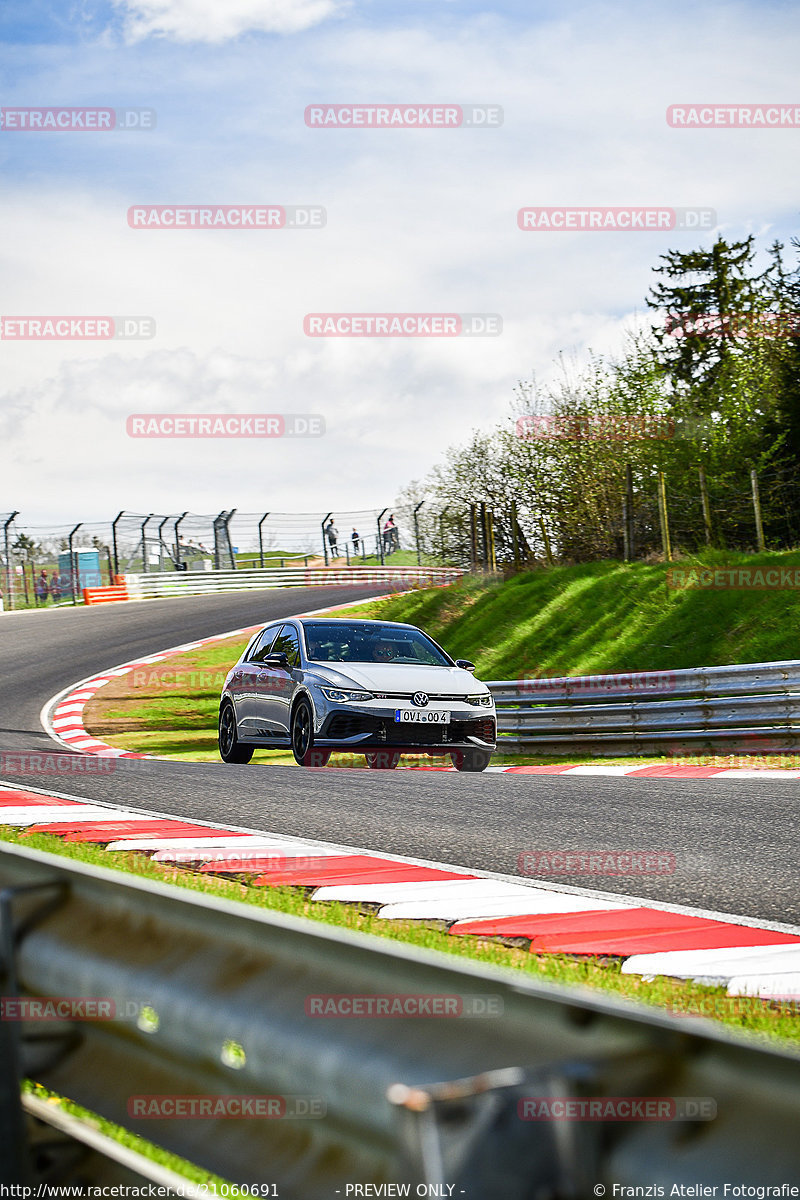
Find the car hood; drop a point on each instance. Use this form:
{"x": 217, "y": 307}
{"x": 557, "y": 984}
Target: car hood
{"x": 400, "y": 677}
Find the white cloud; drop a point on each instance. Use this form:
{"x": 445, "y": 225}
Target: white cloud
{"x": 217, "y": 21}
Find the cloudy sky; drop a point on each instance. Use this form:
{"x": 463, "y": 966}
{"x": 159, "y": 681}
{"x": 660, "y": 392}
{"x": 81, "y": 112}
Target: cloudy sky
{"x": 418, "y": 220}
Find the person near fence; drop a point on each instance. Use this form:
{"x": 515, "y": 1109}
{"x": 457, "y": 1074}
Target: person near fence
{"x": 332, "y": 534}
{"x": 42, "y": 588}
{"x": 355, "y": 539}
{"x": 55, "y": 587}
{"x": 391, "y": 538}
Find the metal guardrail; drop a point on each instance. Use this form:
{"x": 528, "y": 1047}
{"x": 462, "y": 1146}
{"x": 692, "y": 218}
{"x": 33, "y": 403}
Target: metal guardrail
{"x": 212, "y": 999}
{"x": 185, "y": 583}
{"x": 754, "y": 707}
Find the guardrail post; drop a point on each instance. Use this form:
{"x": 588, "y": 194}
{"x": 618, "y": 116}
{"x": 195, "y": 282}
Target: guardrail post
{"x": 72, "y": 571}
{"x": 664, "y": 517}
{"x": 261, "y": 540}
{"x": 762, "y": 545}
{"x": 705, "y": 504}
{"x": 114, "y": 523}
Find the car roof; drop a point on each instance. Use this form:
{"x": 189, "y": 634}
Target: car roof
{"x": 353, "y": 621}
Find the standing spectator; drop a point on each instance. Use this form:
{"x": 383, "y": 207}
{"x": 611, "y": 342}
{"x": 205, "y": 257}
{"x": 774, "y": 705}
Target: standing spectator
{"x": 390, "y": 540}
{"x": 42, "y": 588}
{"x": 355, "y": 539}
{"x": 332, "y": 534}
{"x": 55, "y": 587}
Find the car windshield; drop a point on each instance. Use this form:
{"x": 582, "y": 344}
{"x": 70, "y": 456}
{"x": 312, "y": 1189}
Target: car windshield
{"x": 340, "y": 641}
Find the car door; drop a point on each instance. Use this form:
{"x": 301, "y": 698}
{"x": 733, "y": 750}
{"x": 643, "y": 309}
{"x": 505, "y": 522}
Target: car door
{"x": 276, "y": 685}
{"x": 245, "y": 685}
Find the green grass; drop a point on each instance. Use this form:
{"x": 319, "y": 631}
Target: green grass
{"x": 132, "y": 1141}
{"x": 745, "y": 1015}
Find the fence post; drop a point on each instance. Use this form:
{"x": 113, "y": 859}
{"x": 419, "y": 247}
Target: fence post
{"x": 324, "y": 537}
{"x": 114, "y": 523}
{"x": 664, "y": 517}
{"x": 416, "y": 531}
{"x": 473, "y": 535}
{"x": 706, "y": 506}
{"x": 261, "y": 540}
{"x": 228, "y": 518}
{"x": 514, "y": 535}
{"x": 178, "y": 560}
{"x": 9, "y": 595}
{"x": 380, "y": 537}
{"x": 762, "y": 545}
{"x": 144, "y": 542}
{"x": 72, "y": 572}
{"x": 490, "y": 531}
{"x": 441, "y": 531}
{"x": 627, "y": 515}
{"x": 161, "y": 545}
{"x": 548, "y": 550}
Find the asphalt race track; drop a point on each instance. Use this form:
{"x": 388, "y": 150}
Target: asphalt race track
{"x": 736, "y": 842}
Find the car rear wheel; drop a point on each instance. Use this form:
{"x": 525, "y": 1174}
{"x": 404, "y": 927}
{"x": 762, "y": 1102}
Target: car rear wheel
{"x": 302, "y": 732}
{"x": 231, "y": 750}
{"x": 470, "y": 760}
{"x": 382, "y": 760}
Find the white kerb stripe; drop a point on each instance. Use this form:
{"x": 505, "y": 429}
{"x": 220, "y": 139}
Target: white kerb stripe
{"x": 717, "y": 964}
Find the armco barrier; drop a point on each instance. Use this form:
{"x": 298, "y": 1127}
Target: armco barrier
{"x": 210, "y": 998}
{"x": 753, "y": 707}
{"x": 184, "y": 583}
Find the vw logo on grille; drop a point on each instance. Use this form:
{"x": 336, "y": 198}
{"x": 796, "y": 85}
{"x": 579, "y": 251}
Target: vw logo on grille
{"x": 420, "y": 699}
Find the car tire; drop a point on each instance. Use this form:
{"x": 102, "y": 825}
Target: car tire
{"x": 302, "y": 737}
{"x": 382, "y": 760}
{"x": 231, "y": 750}
{"x": 470, "y": 760}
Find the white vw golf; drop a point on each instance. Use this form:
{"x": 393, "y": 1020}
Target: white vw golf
{"x": 374, "y": 687}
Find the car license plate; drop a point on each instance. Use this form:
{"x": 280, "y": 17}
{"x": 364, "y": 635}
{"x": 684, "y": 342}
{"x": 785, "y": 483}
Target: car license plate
{"x": 413, "y": 716}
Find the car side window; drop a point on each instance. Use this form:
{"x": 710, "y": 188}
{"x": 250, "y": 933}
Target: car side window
{"x": 289, "y": 643}
{"x": 263, "y": 644}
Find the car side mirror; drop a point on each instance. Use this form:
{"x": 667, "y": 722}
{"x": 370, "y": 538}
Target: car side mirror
{"x": 465, "y": 664}
{"x": 279, "y": 659}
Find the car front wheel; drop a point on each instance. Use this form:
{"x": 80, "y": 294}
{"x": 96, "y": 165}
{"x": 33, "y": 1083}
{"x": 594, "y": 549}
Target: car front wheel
{"x": 302, "y": 732}
{"x": 231, "y": 750}
{"x": 470, "y": 760}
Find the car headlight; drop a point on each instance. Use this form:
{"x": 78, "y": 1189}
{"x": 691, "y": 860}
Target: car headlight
{"x": 338, "y": 696}
{"x": 484, "y": 701}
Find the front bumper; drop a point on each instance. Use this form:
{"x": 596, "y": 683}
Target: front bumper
{"x": 374, "y": 731}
